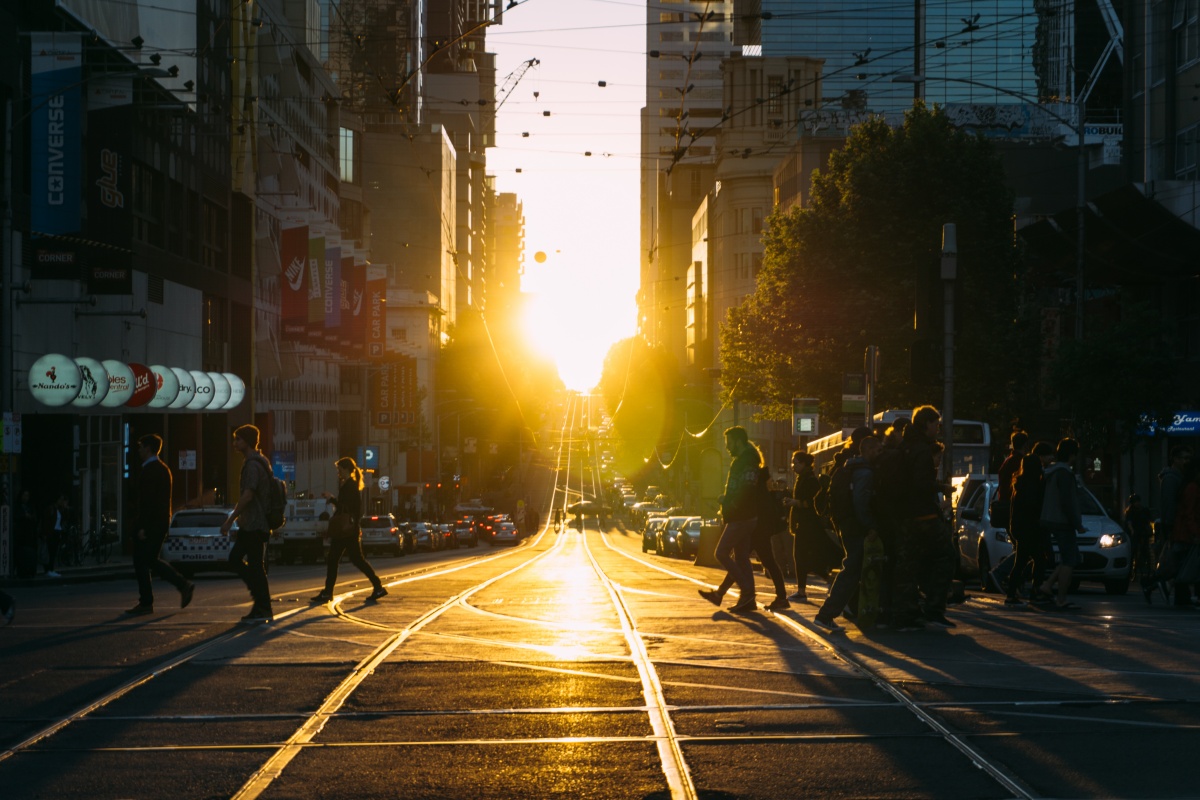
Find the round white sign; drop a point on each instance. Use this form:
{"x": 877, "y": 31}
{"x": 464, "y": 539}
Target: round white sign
{"x": 237, "y": 390}
{"x": 221, "y": 391}
{"x": 168, "y": 386}
{"x": 94, "y": 382}
{"x": 384, "y": 482}
{"x": 120, "y": 383}
{"x": 187, "y": 388}
{"x": 204, "y": 391}
{"x": 54, "y": 380}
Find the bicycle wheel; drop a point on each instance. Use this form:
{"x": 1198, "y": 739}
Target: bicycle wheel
{"x": 103, "y": 549}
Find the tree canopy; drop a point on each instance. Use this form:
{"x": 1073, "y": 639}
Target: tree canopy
{"x": 852, "y": 267}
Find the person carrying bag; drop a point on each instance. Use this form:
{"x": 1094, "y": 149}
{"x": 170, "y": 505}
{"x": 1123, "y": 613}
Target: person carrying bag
{"x": 345, "y": 536}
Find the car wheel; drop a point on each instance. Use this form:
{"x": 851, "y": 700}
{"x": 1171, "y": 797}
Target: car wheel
{"x": 644, "y": 548}
{"x": 187, "y": 572}
{"x": 1074, "y": 587}
{"x": 1119, "y": 586}
{"x": 985, "y": 568}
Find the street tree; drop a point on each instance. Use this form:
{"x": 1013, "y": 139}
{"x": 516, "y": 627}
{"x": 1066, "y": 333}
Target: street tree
{"x": 860, "y": 261}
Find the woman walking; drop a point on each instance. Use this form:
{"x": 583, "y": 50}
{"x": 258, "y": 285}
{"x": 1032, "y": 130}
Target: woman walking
{"x": 345, "y": 535}
{"x": 1030, "y": 544}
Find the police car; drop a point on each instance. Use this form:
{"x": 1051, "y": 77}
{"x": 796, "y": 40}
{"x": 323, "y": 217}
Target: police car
{"x": 195, "y": 542}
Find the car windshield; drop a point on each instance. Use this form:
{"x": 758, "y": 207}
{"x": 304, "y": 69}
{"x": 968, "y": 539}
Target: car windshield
{"x": 213, "y": 519}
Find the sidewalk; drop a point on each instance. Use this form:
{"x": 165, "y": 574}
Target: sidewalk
{"x": 119, "y": 566}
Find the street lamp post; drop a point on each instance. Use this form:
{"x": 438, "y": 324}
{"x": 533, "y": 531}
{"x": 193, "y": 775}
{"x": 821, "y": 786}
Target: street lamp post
{"x": 949, "y": 275}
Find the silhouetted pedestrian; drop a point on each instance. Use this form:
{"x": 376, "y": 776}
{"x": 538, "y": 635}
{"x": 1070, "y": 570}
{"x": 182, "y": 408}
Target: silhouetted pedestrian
{"x": 345, "y": 532}
{"x": 248, "y": 556}
{"x": 153, "y": 524}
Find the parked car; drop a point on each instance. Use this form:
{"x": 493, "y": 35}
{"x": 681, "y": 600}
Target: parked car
{"x": 689, "y": 541}
{"x": 194, "y": 541}
{"x": 464, "y": 534}
{"x": 1104, "y": 548}
{"x": 449, "y": 540}
{"x": 668, "y": 536}
{"x": 302, "y": 537}
{"x": 650, "y": 533}
{"x": 381, "y": 534}
{"x": 504, "y": 533}
{"x": 424, "y": 537}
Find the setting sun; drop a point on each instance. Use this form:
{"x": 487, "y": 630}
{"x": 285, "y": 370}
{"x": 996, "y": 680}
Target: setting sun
{"x": 574, "y": 331}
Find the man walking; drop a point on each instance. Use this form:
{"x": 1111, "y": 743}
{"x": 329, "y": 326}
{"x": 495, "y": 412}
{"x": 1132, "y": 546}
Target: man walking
{"x": 926, "y": 552}
{"x": 852, "y": 497}
{"x": 54, "y": 528}
{"x": 739, "y": 508}
{"x": 249, "y": 549}
{"x": 154, "y": 519}
{"x": 1062, "y": 520}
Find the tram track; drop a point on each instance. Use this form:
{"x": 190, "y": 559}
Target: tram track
{"x": 999, "y": 773}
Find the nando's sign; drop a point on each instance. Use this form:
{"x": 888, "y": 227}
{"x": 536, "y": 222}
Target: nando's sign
{"x": 58, "y": 381}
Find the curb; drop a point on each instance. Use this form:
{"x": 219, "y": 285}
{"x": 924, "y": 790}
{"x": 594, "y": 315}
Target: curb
{"x": 103, "y": 572}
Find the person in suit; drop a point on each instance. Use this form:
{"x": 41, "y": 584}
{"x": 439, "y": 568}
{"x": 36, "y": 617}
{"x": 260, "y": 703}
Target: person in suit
{"x": 153, "y": 521}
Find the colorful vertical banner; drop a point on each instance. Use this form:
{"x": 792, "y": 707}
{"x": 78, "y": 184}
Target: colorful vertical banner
{"x": 55, "y": 132}
{"x": 109, "y": 269}
{"x": 293, "y": 259}
{"x": 333, "y": 302}
{"x": 345, "y": 299}
{"x": 316, "y": 288}
{"x": 375, "y": 311}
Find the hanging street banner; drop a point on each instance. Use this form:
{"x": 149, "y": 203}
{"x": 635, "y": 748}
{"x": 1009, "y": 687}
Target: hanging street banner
{"x": 293, "y": 259}
{"x": 316, "y": 289}
{"x": 55, "y": 134}
{"x": 109, "y": 268}
{"x": 333, "y": 309}
{"x": 406, "y": 390}
{"x": 375, "y": 312}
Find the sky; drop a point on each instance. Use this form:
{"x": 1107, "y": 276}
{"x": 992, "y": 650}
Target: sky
{"x": 581, "y": 211}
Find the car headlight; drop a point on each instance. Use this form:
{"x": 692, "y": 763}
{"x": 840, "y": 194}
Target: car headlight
{"x": 1112, "y": 540}
{"x": 1000, "y": 535}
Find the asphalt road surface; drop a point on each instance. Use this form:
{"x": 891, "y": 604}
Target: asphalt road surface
{"x": 575, "y": 666}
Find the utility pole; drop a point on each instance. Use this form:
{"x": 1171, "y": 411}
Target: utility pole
{"x": 949, "y": 275}
{"x": 1080, "y": 216}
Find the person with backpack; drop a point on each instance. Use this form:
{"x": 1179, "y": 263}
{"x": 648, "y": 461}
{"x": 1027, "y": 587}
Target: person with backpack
{"x": 740, "y": 506}
{"x": 345, "y": 535}
{"x": 248, "y": 556}
{"x": 890, "y": 482}
{"x": 770, "y": 522}
{"x": 925, "y": 554}
{"x": 851, "y": 502}
{"x": 1062, "y": 520}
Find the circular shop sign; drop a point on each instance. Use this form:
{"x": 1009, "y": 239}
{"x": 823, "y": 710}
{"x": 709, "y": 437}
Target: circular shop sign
{"x": 237, "y": 390}
{"x": 204, "y": 391}
{"x": 54, "y": 380}
{"x": 167, "y": 386}
{"x": 120, "y": 383}
{"x": 144, "y": 386}
{"x": 187, "y": 388}
{"x": 93, "y": 380}
{"x": 221, "y": 392}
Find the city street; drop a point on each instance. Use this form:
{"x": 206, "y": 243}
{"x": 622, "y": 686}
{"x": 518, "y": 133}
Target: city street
{"x": 574, "y": 665}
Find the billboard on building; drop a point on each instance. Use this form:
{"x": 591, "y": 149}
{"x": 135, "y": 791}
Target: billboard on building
{"x": 293, "y": 258}
{"x": 333, "y": 301}
{"x": 55, "y": 133}
{"x": 107, "y": 188}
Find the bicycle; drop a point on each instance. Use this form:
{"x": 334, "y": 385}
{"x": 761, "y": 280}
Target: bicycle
{"x": 95, "y": 544}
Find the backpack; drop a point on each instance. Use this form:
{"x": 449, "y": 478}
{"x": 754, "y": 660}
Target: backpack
{"x": 841, "y": 498}
{"x": 275, "y": 503}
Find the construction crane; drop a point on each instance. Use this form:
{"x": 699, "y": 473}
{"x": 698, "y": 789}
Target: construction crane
{"x": 513, "y": 78}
